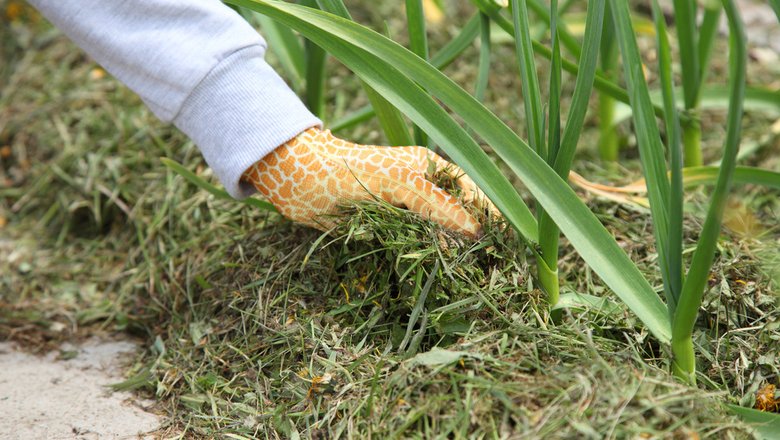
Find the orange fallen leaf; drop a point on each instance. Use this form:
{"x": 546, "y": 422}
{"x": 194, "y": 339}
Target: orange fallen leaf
{"x": 766, "y": 400}
{"x": 319, "y": 384}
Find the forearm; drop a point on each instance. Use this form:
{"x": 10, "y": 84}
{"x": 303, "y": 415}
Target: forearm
{"x": 196, "y": 63}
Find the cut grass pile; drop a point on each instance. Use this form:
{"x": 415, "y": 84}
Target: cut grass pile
{"x": 388, "y": 327}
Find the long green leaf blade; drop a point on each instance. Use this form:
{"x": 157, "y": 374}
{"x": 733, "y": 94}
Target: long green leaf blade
{"x": 418, "y": 43}
{"x": 457, "y": 45}
{"x": 532, "y": 100}
{"x": 766, "y": 424}
{"x": 675, "y": 238}
{"x": 717, "y": 97}
{"x": 391, "y": 120}
{"x": 696, "y": 281}
{"x": 443, "y": 58}
{"x": 707, "y": 33}
{"x": 695, "y": 176}
{"x": 587, "y": 235}
{"x": 415, "y": 21}
{"x": 554, "y": 96}
{"x": 563, "y": 155}
{"x": 609, "y": 141}
{"x": 315, "y": 79}
{"x": 287, "y": 47}
{"x": 651, "y": 150}
{"x": 685, "y": 21}
{"x": 359, "y": 116}
{"x": 548, "y": 231}
{"x": 603, "y": 84}
{"x": 582, "y": 88}
{"x": 315, "y": 59}
{"x": 483, "y": 71}
{"x": 211, "y": 189}
{"x": 566, "y": 38}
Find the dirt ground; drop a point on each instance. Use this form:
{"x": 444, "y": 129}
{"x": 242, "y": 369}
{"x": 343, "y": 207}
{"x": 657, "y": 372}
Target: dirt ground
{"x": 64, "y": 395}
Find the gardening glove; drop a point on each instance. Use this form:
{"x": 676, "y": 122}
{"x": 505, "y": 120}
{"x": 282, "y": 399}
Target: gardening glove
{"x": 308, "y": 178}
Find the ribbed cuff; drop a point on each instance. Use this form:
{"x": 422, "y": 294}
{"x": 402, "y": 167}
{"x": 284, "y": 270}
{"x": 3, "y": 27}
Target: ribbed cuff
{"x": 241, "y": 111}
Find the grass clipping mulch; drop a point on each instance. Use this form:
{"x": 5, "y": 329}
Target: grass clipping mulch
{"x": 388, "y": 327}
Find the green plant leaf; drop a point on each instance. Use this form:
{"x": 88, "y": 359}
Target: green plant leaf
{"x": 418, "y": 43}
{"x": 380, "y": 60}
{"x": 687, "y": 40}
{"x": 211, "y": 189}
{"x": 674, "y": 146}
{"x": 707, "y": 33}
{"x": 609, "y": 141}
{"x": 651, "y": 150}
{"x": 287, "y": 47}
{"x": 532, "y": 100}
{"x": 583, "y": 87}
{"x": 715, "y": 97}
{"x": 765, "y": 424}
{"x": 561, "y": 156}
{"x": 315, "y": 59}
{"x": 547, "y": 266}
{"x": 315, "y": 79}
{"x": 554, "y": 95}
{"x": 359, "y": 116}
{"x": 457, "y": 45}
{"x": 483, "y": 71}
{"x": 693, "y": 289}
{"x": 567, "y": 39}
{"x": 391, "y": 120}
{"x": 443, "y": 58}
{"x": 603, "y": 84}
{"x": 776, "y": 7}
{"x": 415, "y": 21}
{"x": 695, "y": 176}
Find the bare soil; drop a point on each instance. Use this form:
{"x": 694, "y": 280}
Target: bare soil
{"x": 49, "y": 397}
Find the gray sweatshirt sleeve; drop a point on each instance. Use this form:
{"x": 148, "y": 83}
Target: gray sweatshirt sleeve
{"x": 195, "y": 63}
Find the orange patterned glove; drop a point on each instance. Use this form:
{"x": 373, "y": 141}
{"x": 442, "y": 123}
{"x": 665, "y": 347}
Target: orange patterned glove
{"x": 308, "y": 178}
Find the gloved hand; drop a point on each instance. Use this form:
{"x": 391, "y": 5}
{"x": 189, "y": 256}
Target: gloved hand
{"x": 308, "y": 178}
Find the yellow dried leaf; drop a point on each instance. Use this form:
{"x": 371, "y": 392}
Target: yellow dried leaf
{"x": 766, "y": 400}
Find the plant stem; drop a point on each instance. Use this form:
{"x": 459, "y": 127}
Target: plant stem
{"x": 609, "y": 145}
{"x": 684, "y": 362}
{"x": 692, "y": 140}
{"x": 547, "y": 262}
{"x": 687, "y": 40}
{"x": 684, "y": 359}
